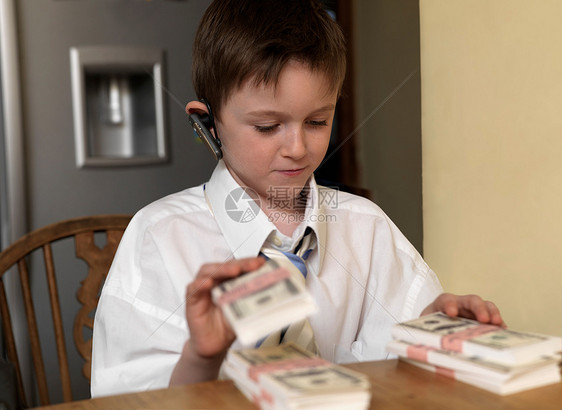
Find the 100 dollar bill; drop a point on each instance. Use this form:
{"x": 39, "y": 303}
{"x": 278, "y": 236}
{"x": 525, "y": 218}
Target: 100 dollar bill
{"x": 264, "y": 301}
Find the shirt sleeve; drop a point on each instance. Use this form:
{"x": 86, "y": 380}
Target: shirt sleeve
{"x": 400, "y": 286}
{"x": 140, "y": 326}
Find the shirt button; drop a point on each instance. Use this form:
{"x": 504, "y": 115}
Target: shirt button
{"x": 277, "y": 241}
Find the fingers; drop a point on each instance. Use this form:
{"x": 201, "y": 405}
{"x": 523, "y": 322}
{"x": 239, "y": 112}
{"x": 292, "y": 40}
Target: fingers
{"x": 495, "y": 315}
{"x": 469, "y": 306}
{"x": 475, "y": 307}
{"x": 447, "y": 303}
{"x": 212, "y": 274}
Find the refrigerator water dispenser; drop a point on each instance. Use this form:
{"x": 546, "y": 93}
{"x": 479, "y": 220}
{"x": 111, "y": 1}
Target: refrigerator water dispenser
{"x": 118, "y": 105}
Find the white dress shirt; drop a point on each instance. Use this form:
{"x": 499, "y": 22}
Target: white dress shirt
{"x": 364, "y": 275}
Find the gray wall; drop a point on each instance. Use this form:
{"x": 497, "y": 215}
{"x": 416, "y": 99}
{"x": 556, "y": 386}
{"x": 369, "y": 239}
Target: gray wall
{"x": 56, "y": 189}
{"x": 387, "y": 53}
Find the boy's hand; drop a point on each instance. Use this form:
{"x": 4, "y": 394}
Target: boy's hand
{"x": 468, "y": 306}
{"x": 210, "y": 332}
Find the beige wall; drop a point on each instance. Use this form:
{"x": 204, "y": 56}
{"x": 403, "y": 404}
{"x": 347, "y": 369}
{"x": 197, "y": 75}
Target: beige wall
{"x": 492, "y": 153}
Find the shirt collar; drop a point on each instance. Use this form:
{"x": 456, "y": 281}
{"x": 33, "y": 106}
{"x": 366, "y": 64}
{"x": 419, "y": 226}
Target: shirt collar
{"x": 244, "y": 226}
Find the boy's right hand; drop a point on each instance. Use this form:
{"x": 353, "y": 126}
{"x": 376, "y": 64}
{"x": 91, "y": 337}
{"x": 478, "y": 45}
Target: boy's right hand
{"x": 210, "y": 332}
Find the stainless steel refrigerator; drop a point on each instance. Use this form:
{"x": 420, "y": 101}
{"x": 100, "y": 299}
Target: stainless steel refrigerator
{"x": 93, "y": 97}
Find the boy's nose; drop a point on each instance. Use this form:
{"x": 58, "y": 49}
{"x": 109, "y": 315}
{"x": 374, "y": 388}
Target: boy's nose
{"x": 294, "y": 145}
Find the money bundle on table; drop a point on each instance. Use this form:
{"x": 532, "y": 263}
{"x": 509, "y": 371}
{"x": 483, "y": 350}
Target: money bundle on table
{"x": 289, "y": 377}
{"x": 264, "y": 301}
{"x": 490, "y": 357}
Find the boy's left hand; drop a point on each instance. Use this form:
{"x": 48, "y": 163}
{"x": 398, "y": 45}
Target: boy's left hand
{"x": 468, "y": 306}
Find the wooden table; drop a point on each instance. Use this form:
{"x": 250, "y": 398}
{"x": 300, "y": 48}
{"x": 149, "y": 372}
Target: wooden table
{"x": 395, "y": 385}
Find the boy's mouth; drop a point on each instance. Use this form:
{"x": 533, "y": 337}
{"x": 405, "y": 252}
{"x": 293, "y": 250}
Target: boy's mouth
{"x": 292, "y": 172}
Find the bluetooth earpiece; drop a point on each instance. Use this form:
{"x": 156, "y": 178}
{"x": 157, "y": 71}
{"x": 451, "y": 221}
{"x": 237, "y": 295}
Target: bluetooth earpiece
{"x": 201, "y": 124}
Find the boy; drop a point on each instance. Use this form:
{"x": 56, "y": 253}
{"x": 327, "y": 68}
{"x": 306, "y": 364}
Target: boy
{"x": 272, "y": 72}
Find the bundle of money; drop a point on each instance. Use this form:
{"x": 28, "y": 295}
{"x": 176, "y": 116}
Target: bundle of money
{"x": 490, "y": 357}
{"x": 264, "y": 301}
{"x": 289, "y": 377}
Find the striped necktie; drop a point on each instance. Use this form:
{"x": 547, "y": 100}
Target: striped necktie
{"x": 299, "y": 332}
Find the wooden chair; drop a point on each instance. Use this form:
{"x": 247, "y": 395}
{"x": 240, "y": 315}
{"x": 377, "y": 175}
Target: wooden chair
{"x": 98, "y": 261}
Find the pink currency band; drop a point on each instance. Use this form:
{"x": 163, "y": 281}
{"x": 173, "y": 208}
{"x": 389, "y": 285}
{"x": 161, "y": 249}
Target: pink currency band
{"x": 250, "y": 287}
{"x": 418, "y": 352}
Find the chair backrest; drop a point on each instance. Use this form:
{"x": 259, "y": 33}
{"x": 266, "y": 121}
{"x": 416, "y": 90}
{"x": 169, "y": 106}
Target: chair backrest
{"x": 98, "y": 261}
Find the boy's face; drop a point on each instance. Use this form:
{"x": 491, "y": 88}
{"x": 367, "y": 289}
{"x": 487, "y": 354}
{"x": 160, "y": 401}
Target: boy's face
{"x": 275, "y": 137}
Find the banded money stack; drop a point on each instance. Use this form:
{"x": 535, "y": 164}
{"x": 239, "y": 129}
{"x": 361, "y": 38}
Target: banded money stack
{"x": 289, "y": 377}
{"x": 499, "y": 360}
{"x": 263, "y": 301}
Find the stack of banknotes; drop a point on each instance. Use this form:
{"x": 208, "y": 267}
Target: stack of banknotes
{"x": 289, "y": 377}
{"x": 264, "y": 301}
{"x": 499, "y": 360}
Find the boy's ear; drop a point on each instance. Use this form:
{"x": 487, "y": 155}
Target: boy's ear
{"x": 196, "y": 107}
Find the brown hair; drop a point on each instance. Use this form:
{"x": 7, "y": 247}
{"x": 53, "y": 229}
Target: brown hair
{"x": 239, "y": 40}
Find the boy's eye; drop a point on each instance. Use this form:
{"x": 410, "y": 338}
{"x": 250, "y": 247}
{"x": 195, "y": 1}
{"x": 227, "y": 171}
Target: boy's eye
{"x": 265, "y": 128}
{"x": 273, "y": 127}
{"x": 322, "y": 123}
